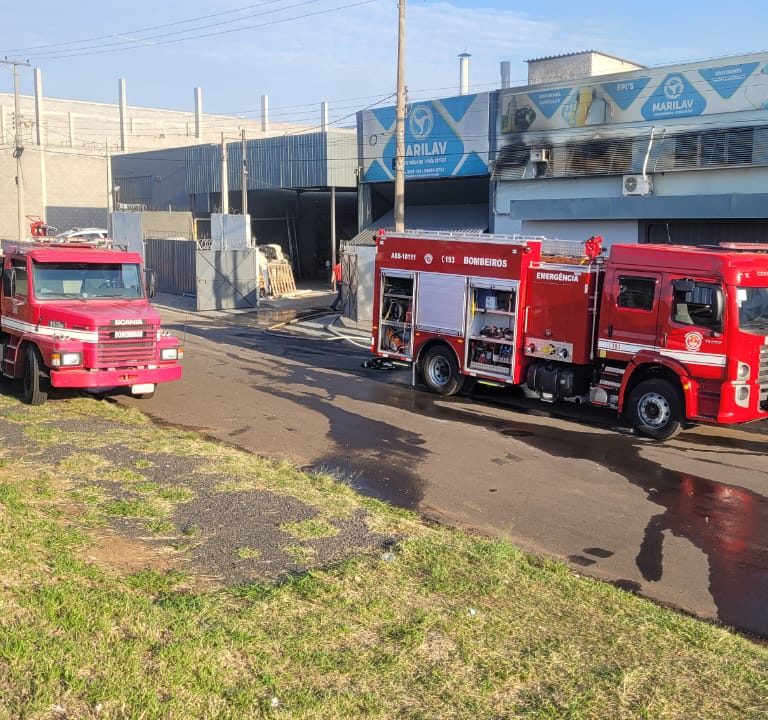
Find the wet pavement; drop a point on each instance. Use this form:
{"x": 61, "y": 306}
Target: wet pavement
{"x": 685, "y": 522}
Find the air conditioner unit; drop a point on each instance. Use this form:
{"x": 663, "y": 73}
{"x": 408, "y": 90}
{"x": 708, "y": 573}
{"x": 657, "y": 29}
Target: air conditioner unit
{"x": 540, "y": 155}
{"x": 637, "y": 185}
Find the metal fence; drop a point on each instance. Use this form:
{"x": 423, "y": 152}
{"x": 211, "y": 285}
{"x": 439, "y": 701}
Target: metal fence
{"x": 174, "y": 263}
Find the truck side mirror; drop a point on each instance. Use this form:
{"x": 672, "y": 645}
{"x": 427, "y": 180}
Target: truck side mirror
{"x": 150, "y": 277}
{"x": 718, "y": 305}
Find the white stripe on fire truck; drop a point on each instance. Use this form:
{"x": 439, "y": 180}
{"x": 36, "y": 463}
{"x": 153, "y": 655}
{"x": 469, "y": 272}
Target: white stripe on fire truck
{"x": 47, "y": 331}
{"x": 712, "y": 359}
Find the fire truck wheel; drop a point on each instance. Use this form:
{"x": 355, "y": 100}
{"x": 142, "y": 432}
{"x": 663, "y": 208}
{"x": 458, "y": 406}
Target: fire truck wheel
{"x": 441, "y": 371}
{"x": 655, "y": 409}
{"x": 35, "y": 383}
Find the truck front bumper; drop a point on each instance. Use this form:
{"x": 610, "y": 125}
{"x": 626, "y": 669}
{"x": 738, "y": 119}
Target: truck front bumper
{"x": 81, "y": 378}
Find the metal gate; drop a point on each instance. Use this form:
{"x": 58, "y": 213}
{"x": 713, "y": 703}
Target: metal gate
{"x": 349, "y": 289}
{"x": 227, "y": 279}
{"x": 174, "y": 263}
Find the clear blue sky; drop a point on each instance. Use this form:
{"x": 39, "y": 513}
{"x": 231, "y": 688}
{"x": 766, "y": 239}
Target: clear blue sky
{"x": 345, "y": 55}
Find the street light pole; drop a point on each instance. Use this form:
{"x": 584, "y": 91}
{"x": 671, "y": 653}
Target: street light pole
{"x": 18, "y": 146}
{"x": 400, "y": 123}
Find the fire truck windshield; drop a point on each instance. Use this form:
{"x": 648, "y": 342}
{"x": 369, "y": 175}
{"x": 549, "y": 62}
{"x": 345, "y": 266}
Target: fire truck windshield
{"x": 85, "y": 281}
{"x": 753, "y": 309}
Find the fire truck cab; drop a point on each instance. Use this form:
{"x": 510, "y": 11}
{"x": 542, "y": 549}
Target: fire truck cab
{"x": 78, "y": 316}
{"x": 666, "y": 335}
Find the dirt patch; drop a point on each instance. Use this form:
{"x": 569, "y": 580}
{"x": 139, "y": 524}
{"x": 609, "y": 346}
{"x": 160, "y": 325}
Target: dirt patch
{"x": 127, "y": 555}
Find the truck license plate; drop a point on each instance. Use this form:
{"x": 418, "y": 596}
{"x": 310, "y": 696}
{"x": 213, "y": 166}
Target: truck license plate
{"x": 128, "y": 334}
{"x": 142, "y": 389}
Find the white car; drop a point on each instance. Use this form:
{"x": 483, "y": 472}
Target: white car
{"x": 83, "y": 234}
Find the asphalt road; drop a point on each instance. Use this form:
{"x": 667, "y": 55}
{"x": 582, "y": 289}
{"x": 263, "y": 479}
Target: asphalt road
{"x": 684, "y": 523}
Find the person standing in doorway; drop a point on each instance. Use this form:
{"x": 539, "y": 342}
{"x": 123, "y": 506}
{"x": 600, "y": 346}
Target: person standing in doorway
{"x": 337, "y": 284}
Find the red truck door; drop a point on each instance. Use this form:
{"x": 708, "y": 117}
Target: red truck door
{"x": 629, "y": 313}
{"x": 691, "y": 324}
{"x": 15, "y": 303}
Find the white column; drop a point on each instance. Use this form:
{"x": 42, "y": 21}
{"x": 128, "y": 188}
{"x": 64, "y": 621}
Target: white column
{"x": 265, "y": 113}
{"x": 199, "y": 113}
{"x": 121, "y": 96}
{"x": 39, "y": 105}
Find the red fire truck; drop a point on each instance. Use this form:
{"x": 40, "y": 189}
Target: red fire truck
{"x": 668, "y": 336}
{"x": 78, "y": 316}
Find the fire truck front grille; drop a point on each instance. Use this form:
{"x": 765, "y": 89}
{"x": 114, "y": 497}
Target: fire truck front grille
{"x": 762, "y": 377}
{"x": 126, "y": 346}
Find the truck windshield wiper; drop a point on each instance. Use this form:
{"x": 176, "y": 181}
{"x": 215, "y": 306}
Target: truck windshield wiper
{"x": 49, "y": 295}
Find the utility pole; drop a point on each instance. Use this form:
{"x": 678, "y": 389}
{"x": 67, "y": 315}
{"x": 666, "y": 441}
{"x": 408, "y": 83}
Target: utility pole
{"x": 224, "y": 177}
{"x": 18, "y": 146}
{"x": 400, "y": 123}
{"x": 244, "y": 177}
{"x": 333, "y": 231}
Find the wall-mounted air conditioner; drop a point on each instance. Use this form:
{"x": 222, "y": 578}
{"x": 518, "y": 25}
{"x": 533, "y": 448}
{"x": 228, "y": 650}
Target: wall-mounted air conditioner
{"x": 637, "y": 185}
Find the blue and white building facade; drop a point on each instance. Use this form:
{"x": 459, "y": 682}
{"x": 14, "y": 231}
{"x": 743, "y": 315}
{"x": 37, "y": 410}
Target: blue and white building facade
{"x": 670, "y": 154}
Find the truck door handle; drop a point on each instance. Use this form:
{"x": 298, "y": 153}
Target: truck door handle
{"x": 610, "y": 331}
{"x": 664, "y": 340}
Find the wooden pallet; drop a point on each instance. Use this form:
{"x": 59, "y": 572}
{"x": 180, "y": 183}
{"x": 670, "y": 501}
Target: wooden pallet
{"x": 280, "y": 279}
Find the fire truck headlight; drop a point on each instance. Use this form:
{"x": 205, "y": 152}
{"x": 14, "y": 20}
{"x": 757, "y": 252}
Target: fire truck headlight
{"x": 169, "y": 354}
{"x": 71, "y": 358}
{"x": 743, "y": 371}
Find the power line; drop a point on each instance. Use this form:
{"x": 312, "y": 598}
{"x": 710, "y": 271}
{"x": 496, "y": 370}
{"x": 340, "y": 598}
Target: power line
{"x": 74, "y": 52}
{"x": 132, "y": 45}
{"x": 33, "y": 48}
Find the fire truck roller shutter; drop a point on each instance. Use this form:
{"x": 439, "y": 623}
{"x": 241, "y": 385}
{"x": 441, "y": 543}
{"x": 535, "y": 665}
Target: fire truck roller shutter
{"x": 440, "y": 370}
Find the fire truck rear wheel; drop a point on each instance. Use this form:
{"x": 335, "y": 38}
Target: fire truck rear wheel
{"x": 441, "y": 371}
{"x": 655, "y": 409}
{"x": 35, "y": 382}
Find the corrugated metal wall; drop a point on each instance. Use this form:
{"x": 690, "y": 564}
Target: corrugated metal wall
{"x": 136, "y": 190}
{"x": 174, "y": 263}
{"x": 309, "y": 160}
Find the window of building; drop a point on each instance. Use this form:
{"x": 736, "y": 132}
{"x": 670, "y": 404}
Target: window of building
{"x": 636, "y": 293}
{"x": 712, "y": 148}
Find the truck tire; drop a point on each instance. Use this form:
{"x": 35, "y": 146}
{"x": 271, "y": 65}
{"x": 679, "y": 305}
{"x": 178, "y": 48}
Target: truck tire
{"x": 655, "y": 409}
{"x": 441, "y": 371}
{"x": 35, "y": 382}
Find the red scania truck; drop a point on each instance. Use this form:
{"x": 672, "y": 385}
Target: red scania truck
{"x": 666, "y": 335}
{"x": 78, "y": 316}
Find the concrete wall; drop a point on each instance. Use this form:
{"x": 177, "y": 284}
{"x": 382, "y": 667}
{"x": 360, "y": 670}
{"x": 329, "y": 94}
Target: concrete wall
{"x": 163, "y": 224}
{"x": 616, "y": 231}
{"x": 68, "y": 189}
{"x": 574, "y": 66}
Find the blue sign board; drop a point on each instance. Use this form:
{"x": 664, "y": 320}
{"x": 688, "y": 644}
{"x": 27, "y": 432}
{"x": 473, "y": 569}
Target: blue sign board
{"x": 728, "y": 79}
{"x": 443, "y": 138}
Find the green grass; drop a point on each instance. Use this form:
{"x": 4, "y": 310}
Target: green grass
{"x": 310, "y": 529}
{"x": 450, "y": 626}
